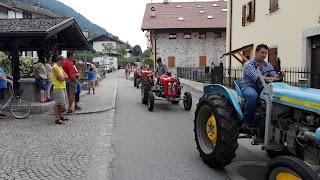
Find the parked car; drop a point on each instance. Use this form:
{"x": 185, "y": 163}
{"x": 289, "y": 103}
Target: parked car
{"x": 108, "y": 68}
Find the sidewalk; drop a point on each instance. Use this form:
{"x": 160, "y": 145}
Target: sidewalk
{"x": 103, "y": 99}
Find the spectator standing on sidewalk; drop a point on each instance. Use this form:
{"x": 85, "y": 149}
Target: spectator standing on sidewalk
{"x": 4, "y": 79}
{"x": 59, "y": 89}
{"x": 91, "y": 84}
{"x": 77, "y": 95}
{"x": 71, "y": 82}
{"x": 41, "y": 78}
{"x": 49, "y": 79}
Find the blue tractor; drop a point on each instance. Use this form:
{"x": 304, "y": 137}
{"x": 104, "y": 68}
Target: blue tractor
{"x": 287, "y": 124}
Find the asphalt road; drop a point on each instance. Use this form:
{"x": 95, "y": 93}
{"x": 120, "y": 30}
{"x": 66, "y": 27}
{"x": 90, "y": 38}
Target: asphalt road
{"x": 160, "y": 144}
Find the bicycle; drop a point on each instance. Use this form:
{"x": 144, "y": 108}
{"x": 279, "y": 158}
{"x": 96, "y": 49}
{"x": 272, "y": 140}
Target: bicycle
{"x": 18, "y": 108}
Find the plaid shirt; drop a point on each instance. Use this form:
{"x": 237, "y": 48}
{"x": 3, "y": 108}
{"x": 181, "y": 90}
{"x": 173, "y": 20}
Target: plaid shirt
{"x": 161, "y": 69}
{"x": 250, "y": 74}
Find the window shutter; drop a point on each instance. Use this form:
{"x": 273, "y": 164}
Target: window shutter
{"x": 171, "y": 61}
{"x": 253, "y": 10}
{"x": 203, "y": 61}
{"x": 244, "y": 15}
{"x": 272, "y": 56}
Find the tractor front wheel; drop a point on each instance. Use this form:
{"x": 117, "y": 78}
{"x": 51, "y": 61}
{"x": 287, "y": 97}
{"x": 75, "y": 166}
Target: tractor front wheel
{"x": 187, "y": 103}
{"x": 288, "y": 167}
{"x": 145, "y": 88}
{"x": 151, "y": 101}
{"x": 216, "y": 130}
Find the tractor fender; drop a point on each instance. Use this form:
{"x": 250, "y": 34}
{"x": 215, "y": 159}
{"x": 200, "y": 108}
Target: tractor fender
{"x": 227, "y": 93}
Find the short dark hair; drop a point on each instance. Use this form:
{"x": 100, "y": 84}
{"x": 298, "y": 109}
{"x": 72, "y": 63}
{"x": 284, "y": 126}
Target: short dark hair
{"x": 59, "y": 58}
{"x": 91, "y": 69}
{"x": 260, "y": 46}
{"x": 42, "y": 59}
{"x": 70, "y": 53}
{"x": 158, "y": 59}
{"x": 77, "y": 76}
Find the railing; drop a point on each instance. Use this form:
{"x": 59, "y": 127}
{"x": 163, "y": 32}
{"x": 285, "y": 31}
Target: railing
{"x": 212, "y": 76}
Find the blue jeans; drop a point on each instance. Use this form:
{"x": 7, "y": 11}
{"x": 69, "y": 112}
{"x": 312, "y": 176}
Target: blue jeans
{"x": 49, "y": 89}
{"x": 251, "y": 95}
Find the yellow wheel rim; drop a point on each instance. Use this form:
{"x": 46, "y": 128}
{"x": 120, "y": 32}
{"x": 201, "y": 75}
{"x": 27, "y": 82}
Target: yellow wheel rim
{"x": 211, "y": 129}
{"x": 287, "y": 176}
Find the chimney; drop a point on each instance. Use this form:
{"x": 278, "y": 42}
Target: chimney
{"x": 153, "y": 12}
{"x": 165, "y": 1}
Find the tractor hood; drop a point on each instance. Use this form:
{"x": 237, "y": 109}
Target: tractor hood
{"x": 302, "y": 98}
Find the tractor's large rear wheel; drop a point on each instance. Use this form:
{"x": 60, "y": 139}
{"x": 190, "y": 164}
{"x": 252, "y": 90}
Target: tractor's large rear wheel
{"x": 216, "y": 130}
{"x": 288, "y": 167}
{"x": 145, "y": 88}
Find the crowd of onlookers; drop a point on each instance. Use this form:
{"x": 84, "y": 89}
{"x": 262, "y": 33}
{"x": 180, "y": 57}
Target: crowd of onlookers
{"x": 64, "y": 80}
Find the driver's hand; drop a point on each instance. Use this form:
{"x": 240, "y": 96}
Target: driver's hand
{"x": 281, "y": 74}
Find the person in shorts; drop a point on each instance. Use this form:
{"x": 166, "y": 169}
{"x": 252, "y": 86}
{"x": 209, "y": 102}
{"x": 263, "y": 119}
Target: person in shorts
{"x": 91, "y": 75}
{"x": 71, "y": 82}
{"x": 59, "y": 89}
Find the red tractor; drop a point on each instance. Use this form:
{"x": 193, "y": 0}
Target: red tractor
{"x": 166, "y": 88}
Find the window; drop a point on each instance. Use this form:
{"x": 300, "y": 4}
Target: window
{"x": 172, "y": 36}
{"x": 203, "y": 61}
{"x": 27, "y": 15}
{"x": 171, "y": 61}
{"x": 187, "y": 36}
{"x": 202, "y": 35}
{"x": 217, "y": 34}
{"x": 248, "y": 12}
{"x": 29, "y": 54}
{"x": 273, "y": 5}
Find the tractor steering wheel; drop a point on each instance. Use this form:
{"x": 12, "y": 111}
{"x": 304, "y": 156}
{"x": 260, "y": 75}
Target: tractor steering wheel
{"x": 268, "y": 72}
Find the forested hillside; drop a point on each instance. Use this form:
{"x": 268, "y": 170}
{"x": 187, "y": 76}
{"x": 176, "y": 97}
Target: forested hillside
{"x": 60, "y": 8}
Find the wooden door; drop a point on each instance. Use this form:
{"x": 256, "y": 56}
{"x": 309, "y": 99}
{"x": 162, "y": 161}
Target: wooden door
{"x": 203, "y": 61}
{"x": 315, "y": 68}
{"x": 272, "y": 56}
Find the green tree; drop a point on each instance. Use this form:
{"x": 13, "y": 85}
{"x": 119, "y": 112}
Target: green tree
{"x": 108, "y": 49}
{"x": 146, "y": 53}
{"x": 136, "y": 50}
{"x": 122, "y": 50}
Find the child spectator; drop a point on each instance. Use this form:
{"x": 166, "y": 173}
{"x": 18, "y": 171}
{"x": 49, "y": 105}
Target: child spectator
{"x": 91, "y": 75}
{"x": 77, "y": 94}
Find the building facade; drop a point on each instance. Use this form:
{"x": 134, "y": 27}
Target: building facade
{"x": 186, "y": 34}
{"x": 291, "y": 29}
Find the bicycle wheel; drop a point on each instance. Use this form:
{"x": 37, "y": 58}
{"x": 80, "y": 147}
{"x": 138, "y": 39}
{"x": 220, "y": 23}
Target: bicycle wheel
{"x": 20, "y": 108}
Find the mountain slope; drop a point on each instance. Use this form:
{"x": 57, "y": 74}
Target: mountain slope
{"x": 60, "y": 8}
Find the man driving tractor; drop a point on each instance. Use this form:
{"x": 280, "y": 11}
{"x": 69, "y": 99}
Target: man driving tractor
{"x": 160, "y": 70}
{"x": 251, "y": 86}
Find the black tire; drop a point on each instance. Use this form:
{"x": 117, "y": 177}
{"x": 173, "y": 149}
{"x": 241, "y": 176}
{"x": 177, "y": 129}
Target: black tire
{"x": 273, "y": 153}
{"x": 134, "y": 82}
{"x": 151, "y": 101}
{"x": 188, "y": 102}
{"x": 145, "y": 88}
{"x": 291, "y": 165}
{"x": 137, "y": 83}
{"x": 222, "y": 152}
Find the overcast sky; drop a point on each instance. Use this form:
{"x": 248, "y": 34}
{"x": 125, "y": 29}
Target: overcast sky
{"x": 122, "y": 18}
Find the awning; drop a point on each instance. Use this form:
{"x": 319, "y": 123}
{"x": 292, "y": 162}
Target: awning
{"x": 242, "y": 59}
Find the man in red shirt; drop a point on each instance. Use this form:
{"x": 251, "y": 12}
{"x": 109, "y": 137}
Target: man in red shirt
{"x": 71, "y": 81}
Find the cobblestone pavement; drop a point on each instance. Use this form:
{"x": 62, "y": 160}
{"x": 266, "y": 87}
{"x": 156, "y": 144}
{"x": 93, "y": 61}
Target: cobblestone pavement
{"x": 36, "y": 148}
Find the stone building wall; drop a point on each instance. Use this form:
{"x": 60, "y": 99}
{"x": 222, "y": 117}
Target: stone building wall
{"x": 188, "y": 51}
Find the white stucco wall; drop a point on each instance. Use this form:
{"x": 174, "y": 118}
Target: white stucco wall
{"x": 97, "y": 46}
{"x": 188, "y": 51}
{"x": 282, "y": 29}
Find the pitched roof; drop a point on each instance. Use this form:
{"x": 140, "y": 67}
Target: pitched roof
{"x": 33, "y": 9}
{"x": 8, "y": 7}
{"x": 65, "y": 31}
{"x": 167, "y": 15}
{"x": 106, "y": 38}
{"x": 29, "y": 25}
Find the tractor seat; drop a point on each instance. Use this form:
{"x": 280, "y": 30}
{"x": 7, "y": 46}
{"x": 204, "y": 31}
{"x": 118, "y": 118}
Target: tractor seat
{"x": 237, "y": 84}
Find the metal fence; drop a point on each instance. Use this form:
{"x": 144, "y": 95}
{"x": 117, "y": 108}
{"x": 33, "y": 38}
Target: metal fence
{"x": 221, "y": 75}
